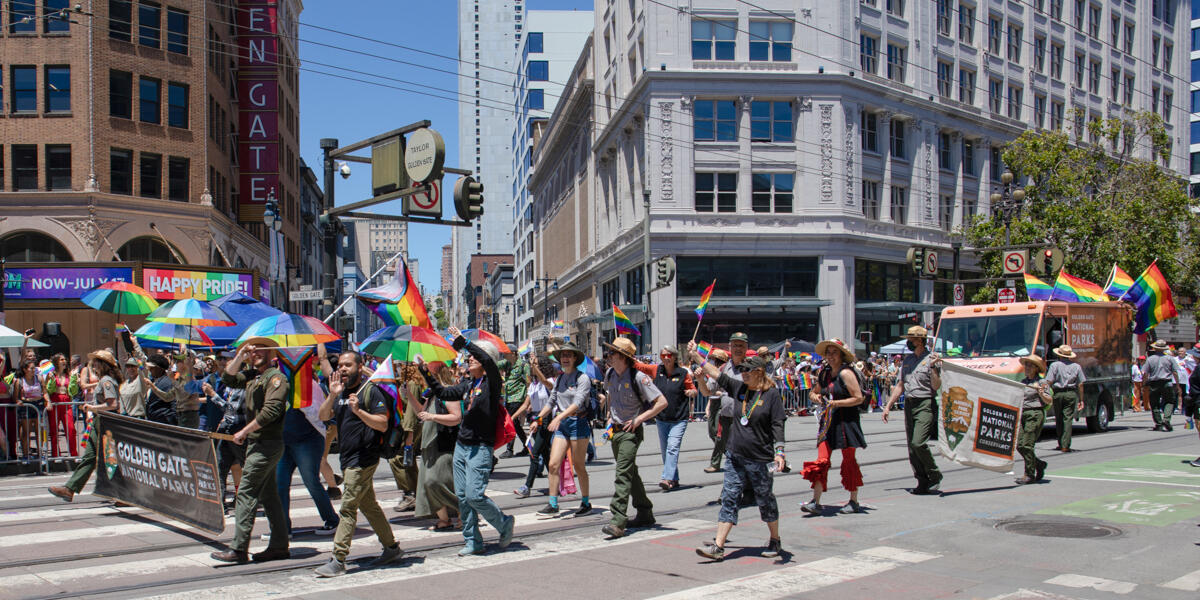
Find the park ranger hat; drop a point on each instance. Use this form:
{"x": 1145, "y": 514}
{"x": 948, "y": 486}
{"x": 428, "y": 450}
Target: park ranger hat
{"x": 1159, "y": 345}
{"x": 104, "y": 356}
{"x": 916, "y": 331}
{"x": 623, "y": 345}
{"x": 1036, "y": 361}
{"x": 1065, "y": 351}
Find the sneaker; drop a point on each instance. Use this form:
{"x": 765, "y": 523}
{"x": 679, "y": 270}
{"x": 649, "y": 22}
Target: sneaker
{"x": 469, "y": 551}
{"x": 334, "y": 492}
{"x": 850, "y": 508}
{"x": 390, "y": 555}
{"x": 521, "y": 492}
{"x": 548, "y": 511}
{"x": 333, "y": 568}
{"x": 583, "y": 510}
{"x": 712, "y": 552}
{"x": 325, "y": 530}
{"x": 507, "y": 454}
{"x": 1195, "y": 463}
{"x": 811, "y": 508}
{"x": 774, "y": 547}
{"x": 1024, "y": 480}
{"x": 406, "y": 503}
{"x": 506, "y": 530}
{"x": 613, "y": 531}
{"x": 711, "y": 470}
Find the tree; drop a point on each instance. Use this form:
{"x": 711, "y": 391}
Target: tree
{"x": 439, "y": 318}
{"x": 1099, "y": 203}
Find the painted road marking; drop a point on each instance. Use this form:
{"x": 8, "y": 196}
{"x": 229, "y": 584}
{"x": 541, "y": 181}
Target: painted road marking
{"x": 308, "y": 585}
{"x": 1140, "y": 506}
{"x": 1096, "y": 583}
{"x": 1165, "y": 469}
{"x": 1025, "y": 594}
{"x": 806, "y": 577}
{"x": 298, "y": 492}
{"x": 1187, "y": 583}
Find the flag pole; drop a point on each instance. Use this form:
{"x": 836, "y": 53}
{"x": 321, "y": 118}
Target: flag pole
{"x": 697, "y": 331}
{"x": 1139, "y": 277}
{"x": 363, "y": 286}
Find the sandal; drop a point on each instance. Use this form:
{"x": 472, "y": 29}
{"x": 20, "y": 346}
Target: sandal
{"x": 447, "y": 526}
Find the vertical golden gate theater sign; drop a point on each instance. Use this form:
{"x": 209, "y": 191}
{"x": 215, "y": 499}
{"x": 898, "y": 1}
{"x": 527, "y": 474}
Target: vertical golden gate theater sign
{"x": 258, "y": 100}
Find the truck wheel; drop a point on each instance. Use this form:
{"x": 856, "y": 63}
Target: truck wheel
{"x": 1099, "y": 422}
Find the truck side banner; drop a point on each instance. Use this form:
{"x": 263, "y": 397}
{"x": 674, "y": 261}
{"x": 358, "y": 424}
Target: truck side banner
{"x": 978, "y": 418}
{"x": 169, "y": 470}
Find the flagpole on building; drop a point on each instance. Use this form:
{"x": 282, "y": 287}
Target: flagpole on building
{"x": 364, "y": 285}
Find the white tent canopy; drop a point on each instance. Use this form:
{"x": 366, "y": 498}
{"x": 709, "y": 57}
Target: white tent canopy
{"x": 11, "y": 338}
{"x": 899, "y": 346}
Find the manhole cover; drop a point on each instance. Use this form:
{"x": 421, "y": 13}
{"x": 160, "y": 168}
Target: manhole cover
{"x": 1059, "y": 528}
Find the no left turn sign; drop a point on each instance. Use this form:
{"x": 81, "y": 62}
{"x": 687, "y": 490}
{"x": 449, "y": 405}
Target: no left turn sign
{"x": 1014, "y": 262}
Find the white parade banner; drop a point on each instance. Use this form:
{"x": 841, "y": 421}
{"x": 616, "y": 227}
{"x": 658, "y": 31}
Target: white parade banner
{"x": 978, "y": 418}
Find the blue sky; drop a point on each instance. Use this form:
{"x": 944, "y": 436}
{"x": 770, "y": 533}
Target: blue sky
{"x": 378, "y": 86}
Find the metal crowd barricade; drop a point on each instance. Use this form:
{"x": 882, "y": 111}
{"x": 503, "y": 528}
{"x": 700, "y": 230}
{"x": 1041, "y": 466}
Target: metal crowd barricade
{"x": 72, "y": 433}
{"x": 11, "y": 416}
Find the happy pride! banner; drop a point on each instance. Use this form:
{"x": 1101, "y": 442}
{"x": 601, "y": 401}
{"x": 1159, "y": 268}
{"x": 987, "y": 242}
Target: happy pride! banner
{"x": 171, "y": 284}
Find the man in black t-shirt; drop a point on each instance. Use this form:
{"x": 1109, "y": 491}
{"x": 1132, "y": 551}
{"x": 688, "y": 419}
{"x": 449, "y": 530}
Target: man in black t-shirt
{"x": 362, "y": 415}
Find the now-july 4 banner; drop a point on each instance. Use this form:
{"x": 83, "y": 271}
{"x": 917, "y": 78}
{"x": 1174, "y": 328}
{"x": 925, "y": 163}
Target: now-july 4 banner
{"x": 173, "y": 284}
{"x": 58, "y": 283}
{"x": 978, "y": 418}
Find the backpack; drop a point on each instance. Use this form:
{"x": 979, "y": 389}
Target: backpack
{"x": 391, "y": 441}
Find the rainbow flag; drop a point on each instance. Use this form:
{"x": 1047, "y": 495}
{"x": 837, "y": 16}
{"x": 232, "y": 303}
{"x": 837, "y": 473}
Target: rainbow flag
{"x": 623, "y": 324}
{"x": 703, "y": 348}
{"x": 45, "y": 369}
{"x": 558, "y": 324}
{"x": 525, "y": 348}
{"x": 384, "y": 378}
{"x": 1151, "y": 298}
{"x": 399, "y": 301}
{"x": 607, "y": 435}
{"x": 297, "y": 366}
{"x": 1069, "y": 288}
{"x": 121, "y": 327}
{"x": 807, "y": 381}
{"x": 1037, "y": 289}
{"x": 704, "y": 298}
{"x": 1119, "y": 282}
{"x": 789, "y": 382}
{"x": 588, "y": 367}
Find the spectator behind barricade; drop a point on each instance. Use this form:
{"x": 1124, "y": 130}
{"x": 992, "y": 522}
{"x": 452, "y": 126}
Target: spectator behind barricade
{"x": 60, "y": 387}
{"x": 32, "y": 398}
{"x": 8, "y": 412}
{"x": 133, "y": 391}
{"x": 160, "y": 405}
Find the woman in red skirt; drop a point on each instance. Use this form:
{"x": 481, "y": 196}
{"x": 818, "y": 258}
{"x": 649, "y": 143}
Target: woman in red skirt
{"x": 838, "y": 393}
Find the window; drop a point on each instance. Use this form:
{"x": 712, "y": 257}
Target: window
{"x": 536, "y": 100}
{"x": 1115, "y": 31}
{"x": 120, "y": 94}
{"x": 714, "y": 121}
{"x": 534, "y": 42}
{"x": 946, "y": 211}
{"x": 993, "y": 37}
{"x": 177, "y": 179}
{"x": 149, "y": 99}
{"x": 1195, "y": 163}
{"x": 1195, "y": 130}
{"x": 897, "y": 139}
{"x": 944, "y": 81}
{"x": 1094, "y": 76}
{"x": 149, "y": 23}
{"x": 1039, "y": 111}
{"x": 968, "y": 157}
{"x": 944, "y": 151}
{"x": 1168, "y": 106}
{"x": 538, "y": 70}
{"x": 897, "y": 62}
{"x": 1080, "y": 10}
{"x": 52, "y": 23}
{"x": 895, "y": 7}
{"x": 966, "y": 86}
{"x": 771, "y": 121}
{"x": 1039, "y": 54}
{"x": 120, "y": 171}
{"x": 899, "y": 205}
{"x": 870, "y": 132}
{"x": 24, "y": 91}
{"x": 22, "y": 17}
{"x": 713, "y": 39}
{"x": 150, "y": 176}
{"x": 771, "y": 40}
{"x": 995, "y": 95}
{"x": 870, "y": 199}
{"x": 1056, "y": 7}
{"x": 1056, "y": 60}
{"x": 772, "y": 192}
{"x": 1196, "y": 38}
{"x": 32, "y": 246}
{"x": 1128, "y": 100}
{"x": 717, "y": 190}
{"x": 997, "y": 166}
{"x": 1079, "y": 68}
{"x": 1094, "y": 21}
{"x": 966, "y": 23}
{"x": 943, "y": 17}
{"x": 635, "y": 284}
{"x": 1128, "y": 37}
{"x": 58, "y": 89}
{"x": 1115, "y": 85}
{"x": 1167, "y": 55}
{"x": 1195, "y": 100}
{"x": 1014, "y": 102}
{"x": 177, "y": 31}
{"x": 1015, "y": 33}
{"x": 177, "y": 105}
{"x": 25, "y": 167}
{"x": 58, "y": 167}
{"x": 1195, "y": 69}
{"x": 1056, "y": 115}
{"x": 868, "y": 53}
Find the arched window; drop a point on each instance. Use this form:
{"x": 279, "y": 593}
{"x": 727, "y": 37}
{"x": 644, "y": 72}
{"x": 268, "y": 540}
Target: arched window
{"x": 30, "y": 246}
{"x": 146, "y": 249}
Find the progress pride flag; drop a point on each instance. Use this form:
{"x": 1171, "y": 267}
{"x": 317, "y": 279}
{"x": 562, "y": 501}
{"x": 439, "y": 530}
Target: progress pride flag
{"x": 258, "y": 98}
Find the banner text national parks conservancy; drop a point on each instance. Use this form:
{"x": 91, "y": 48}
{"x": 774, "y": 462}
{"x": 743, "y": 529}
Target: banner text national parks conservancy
{"x": 978, "y": 417}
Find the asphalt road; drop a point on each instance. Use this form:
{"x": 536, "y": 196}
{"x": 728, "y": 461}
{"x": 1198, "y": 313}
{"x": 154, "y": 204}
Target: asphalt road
{"x": 1117, "y": 519}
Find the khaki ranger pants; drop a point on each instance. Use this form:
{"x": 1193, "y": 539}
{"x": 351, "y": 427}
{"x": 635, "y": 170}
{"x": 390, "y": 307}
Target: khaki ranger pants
{"x": 1065, "y": 404}
{"x": 629, "y": 481}
{"x": 920, "y": 419}
{"x": 1032, "y": 420}
{"x": 258, "y": 486}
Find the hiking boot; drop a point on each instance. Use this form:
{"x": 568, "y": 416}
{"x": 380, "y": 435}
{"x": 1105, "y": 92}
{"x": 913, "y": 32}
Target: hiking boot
{"x": 811, "y": 508}
{"x": 521, "y": 492}
{"x": 774, "y": 547}
{"x": 61, "y": 492}
{"x": 389, "y": 555}
{"x": 1026, "y": 480}
{"x": 712, "y": 552}
{"x": 1040, "y": 470}
{"x": 548, "y": 511}
{"x": 1168, "y": 427}
{"x": 406, "y": 503}
{"x": 270, "y": 555}
{"x": 612, "y": 531}
{"x": 231, "y": 556}
{"x": 333, "y": 568}
{"x": 642, "y": 520}
{"x": 585, "y": 508}
{"x": 850, "y": 508}
{"x": 507, "y": 528}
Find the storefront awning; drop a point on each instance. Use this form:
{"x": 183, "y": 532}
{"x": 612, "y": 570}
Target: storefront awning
{"x": 900, "y": 306}
{"x": 690, "y": 302}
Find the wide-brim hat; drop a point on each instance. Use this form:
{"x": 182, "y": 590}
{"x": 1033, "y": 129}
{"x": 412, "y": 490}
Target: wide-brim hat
{"x": 1035, "y": 361}
{"x": 262, "y": 343}
{"x": 1159, "y": 345}
{"x": 132, "y": 362}
{"x": 718, "y": 354}
{"x": 1064, "y": 351}
{"x": 831, "y": 343}
{"x": 568, "y": 347}
{"x": 916, "y": 331}
{"x": 623, "y": 345}
{"x": 104, "y": 356}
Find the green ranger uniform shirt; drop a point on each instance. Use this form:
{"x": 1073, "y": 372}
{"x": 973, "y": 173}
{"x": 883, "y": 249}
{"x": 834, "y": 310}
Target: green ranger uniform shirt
{"x": 516, "y": 384}
{"x": 266, "y": 400}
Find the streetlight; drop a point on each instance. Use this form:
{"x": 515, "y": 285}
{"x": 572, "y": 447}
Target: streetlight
{"x": 1008, "y": 202}
{"x": 552, "y": 285}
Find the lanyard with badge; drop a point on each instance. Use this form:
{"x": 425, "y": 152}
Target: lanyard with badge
{"x": 745, "y": 420}
{"x": 476, "y": 389}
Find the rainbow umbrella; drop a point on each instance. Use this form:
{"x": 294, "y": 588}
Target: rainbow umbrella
{"x": 405, "y": 342}
{"x": 190, "y": 311}
{"x": 173, "y": 333}
{"x": 479, "y": 335}
{"x": 119, "y": 297}
{"x": 288, "y": 331}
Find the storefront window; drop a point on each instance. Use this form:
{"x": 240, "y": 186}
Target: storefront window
{"x": 884, "y": 282}
{"x": 748, "y": 276}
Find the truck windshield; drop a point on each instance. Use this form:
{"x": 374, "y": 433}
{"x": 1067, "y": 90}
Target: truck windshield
{"x": 998, "y": 335}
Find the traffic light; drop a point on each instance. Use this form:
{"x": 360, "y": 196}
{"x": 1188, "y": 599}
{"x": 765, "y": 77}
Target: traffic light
{"x": 1047, "y": 261}
{"x": 468, "y": 198}
{"x": 664, "y": 271}
{"x": 916, "y": 259}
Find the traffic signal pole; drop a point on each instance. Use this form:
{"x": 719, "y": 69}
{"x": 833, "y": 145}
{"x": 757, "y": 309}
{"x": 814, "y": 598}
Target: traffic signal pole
{"x": 646, "y": 263}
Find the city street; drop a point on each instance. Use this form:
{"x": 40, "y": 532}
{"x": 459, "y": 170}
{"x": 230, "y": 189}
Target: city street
{"x": 1117, "y": 519}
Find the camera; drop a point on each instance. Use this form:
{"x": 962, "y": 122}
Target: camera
{"x": 344, "y": 169}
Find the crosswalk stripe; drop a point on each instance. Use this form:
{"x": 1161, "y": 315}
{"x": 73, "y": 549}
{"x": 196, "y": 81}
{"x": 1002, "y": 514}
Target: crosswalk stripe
{"x": 1187, "y": 583}
{"x": 805, "y": 577}
{"x": 1025, "y": 594}
{"x": 1096, "y": 583}
{"x": 307, "y": 585}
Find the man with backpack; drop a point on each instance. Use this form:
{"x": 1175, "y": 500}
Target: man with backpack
{"x": 363, "y": 415}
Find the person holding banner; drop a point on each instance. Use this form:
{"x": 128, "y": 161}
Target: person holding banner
{"x": 838, "y": 393}
{"x": 918, "y": 380}
{"x": 1066, "y": 377}
{"x": 1033, "y": 416}
{"x": 104, "y": 365}
{"x": 267, "y": 394}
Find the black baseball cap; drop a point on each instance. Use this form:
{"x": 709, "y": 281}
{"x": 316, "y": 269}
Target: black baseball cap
{"x": 739, "y": 337}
